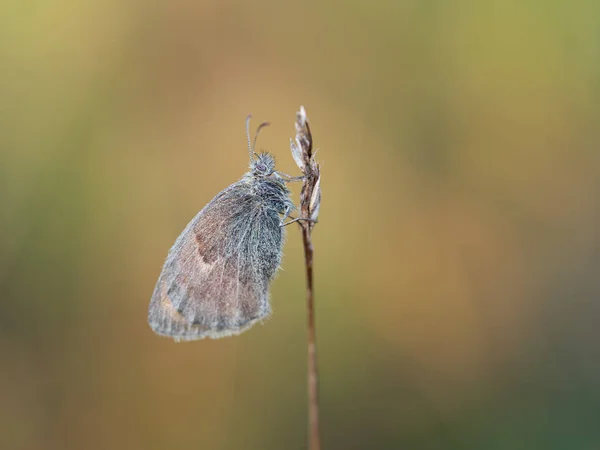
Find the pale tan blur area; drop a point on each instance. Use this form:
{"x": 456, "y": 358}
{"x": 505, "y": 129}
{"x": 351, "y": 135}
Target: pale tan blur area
{"x": 456, "y": 260}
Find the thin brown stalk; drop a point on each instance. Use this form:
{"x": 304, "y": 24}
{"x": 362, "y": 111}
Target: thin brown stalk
{"x": 313, "y": 370}
{"x": 310, "y": 200}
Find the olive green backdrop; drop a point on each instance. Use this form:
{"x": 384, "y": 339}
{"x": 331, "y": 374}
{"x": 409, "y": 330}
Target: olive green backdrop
{"x": 457, "y": 254}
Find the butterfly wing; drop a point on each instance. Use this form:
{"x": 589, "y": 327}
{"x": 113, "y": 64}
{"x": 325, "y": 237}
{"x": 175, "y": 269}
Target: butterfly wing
{"x": 215, "y": 281}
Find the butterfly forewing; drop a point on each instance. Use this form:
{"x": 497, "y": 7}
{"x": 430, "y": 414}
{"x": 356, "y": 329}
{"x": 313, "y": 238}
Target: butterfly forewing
{"x": 215, "y": 280}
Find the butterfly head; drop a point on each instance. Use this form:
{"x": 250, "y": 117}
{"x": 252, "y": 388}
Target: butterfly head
{"x": 263, "y": 165}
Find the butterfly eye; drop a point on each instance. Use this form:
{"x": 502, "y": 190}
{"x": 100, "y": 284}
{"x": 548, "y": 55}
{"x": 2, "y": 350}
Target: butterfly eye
{"x": 261, "y": 167}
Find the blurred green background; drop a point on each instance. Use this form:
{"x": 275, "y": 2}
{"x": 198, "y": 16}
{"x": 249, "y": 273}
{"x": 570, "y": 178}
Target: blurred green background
{"x": 457, "y": 254}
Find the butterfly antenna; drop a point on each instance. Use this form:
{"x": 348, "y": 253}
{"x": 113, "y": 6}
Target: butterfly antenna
{"x": 250, "y": 151}
{"x": 262, "y": 125}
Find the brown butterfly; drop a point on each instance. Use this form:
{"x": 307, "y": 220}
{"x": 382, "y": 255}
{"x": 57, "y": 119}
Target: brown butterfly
{"x": 215, "y": 281}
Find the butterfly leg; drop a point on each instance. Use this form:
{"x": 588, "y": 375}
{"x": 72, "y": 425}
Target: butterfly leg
{"x": 297, "y": 219}
{"x": 288, "y": 178}
{"x": 286, "y": 214}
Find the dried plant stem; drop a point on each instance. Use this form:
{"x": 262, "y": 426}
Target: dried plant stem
{"x": 310, "y": 202}
{"x": 313, "y": 370}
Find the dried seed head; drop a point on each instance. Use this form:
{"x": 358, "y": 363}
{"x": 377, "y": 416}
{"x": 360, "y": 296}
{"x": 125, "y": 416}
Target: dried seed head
{"x": 297, "y": 153}
{"x": 301, "y": 148}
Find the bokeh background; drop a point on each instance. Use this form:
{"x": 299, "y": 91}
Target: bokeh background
{"x": 457, "y": 254}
